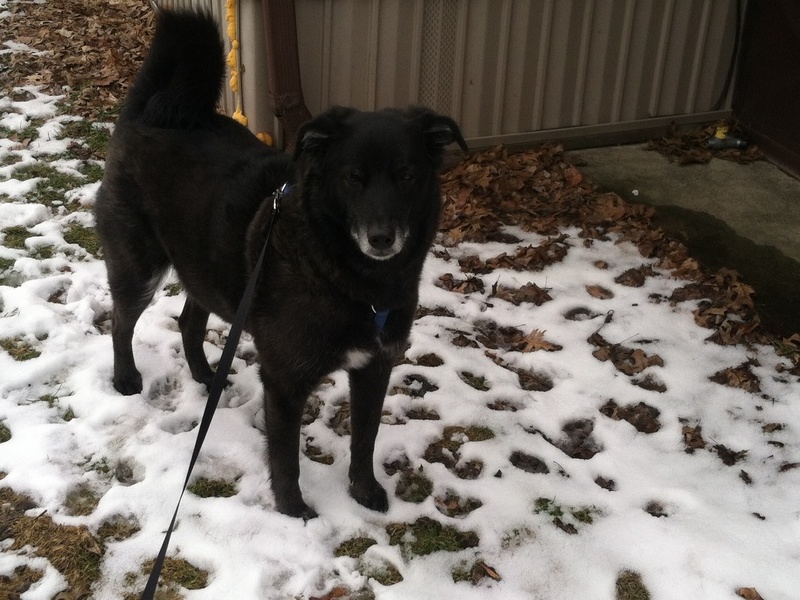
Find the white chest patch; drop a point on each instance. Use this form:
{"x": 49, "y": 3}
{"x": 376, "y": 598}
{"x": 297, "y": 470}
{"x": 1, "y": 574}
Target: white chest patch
{"x": 356, "y": 359}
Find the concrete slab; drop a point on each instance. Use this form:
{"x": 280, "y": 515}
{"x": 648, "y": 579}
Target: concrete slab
{"x": 744, "y": 217}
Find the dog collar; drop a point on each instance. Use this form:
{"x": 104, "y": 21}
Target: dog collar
{"x": 380, "y": 318}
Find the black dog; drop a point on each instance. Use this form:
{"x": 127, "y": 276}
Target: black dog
{"x": 192, "y": 188}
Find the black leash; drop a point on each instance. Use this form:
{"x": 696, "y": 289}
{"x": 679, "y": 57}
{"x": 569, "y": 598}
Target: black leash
{"x": 217, "y": 385}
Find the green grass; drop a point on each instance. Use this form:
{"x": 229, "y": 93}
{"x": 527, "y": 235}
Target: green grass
{"x": 53, "y": 186}
{"x": 185, "y": 574}
{"x": 453, "y": 505}
{"x": 6, "y": 277}
{"x": 413, "y": 486}
{"x": 29, "y": 133}
{"x": 5, "y": 432}
{"x": 566, "y": 517}
{"x": 383, "y": 572}
{"x": 14, "y": 237}
{"x": 426, "y": 536}
{"x": 630, "y": 587}
{"x": 175, "y": 572}
{"x": 213, "y": 488}
{"x": 478, "y": 433}
{"x": 118, "y": 528}
{"x": 354, "y": 547}
{"x": 92, "y": 172}
{"x": 93, "y": 139}
{"x": 43, "y": 252}
{"x": 19, "y": 349}
{"x": 474, "y": 573}
{"x": 73, "y": 550}
{"x": 81, "y": 502}
{"x": 85, "y": 237}
{"x": 475, "y": 381}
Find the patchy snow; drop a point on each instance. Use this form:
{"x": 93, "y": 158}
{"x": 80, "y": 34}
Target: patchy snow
{"x": 690, "y": 525}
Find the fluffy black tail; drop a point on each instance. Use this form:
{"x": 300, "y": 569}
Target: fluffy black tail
{"x": 180, "y": 81}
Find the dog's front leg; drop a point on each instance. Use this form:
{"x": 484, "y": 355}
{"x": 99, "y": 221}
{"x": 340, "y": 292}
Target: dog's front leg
{"x": 284, "y": 412}
{"x": 367, "y": 391}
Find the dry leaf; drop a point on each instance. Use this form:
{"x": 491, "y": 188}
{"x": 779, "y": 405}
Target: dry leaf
{"x": 599, "y": 292}
{"x": 535, "y": 341}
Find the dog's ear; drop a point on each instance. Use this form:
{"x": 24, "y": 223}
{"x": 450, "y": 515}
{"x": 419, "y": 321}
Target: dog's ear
{"x": 313, "y": 137}
{"x": 440, "y": 131}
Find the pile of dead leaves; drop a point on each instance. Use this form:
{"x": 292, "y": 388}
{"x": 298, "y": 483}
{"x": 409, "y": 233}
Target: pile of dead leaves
{"x": 87, "y": 49}
{"x": 691, "y": 147}
{"x": 540, "y": 191}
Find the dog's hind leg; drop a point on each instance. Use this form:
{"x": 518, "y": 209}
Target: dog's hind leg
{"x": 132, "y": 290}
{"x": 367, "y": 391}
{"x": 193, "y": 321}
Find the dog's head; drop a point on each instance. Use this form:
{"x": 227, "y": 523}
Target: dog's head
{"x": 372, "y": 175}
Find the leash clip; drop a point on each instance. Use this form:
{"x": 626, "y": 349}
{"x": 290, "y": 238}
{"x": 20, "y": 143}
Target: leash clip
{"x": 278, "y": 195}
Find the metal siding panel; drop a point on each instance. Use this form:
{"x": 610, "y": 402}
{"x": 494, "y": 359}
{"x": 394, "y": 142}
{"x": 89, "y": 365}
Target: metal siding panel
{"x": 541, "y": 62}
{"x": 478, "y": 97}
{"x": 517, "y": 101}
{"x": 682, "y": 42}
{"x": 642, "y": 61}
{"x": 718, "y": 55}
{"x": 501, "y": 67}
{"x": 397, "y": 55}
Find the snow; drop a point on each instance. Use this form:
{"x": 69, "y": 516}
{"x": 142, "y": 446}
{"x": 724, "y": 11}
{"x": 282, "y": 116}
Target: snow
{"x": 719, "y": 533}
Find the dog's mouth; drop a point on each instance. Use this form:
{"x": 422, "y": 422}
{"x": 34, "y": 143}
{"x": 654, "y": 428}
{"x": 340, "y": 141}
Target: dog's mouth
{"x": 380, "y": 242}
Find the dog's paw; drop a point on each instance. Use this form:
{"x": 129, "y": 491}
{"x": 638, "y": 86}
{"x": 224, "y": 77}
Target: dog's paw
{"x": 301, "y": 510}
{"x": 128, "y": 384}
{"x": 208, "y": 379}
{"x": 371, "y": 495}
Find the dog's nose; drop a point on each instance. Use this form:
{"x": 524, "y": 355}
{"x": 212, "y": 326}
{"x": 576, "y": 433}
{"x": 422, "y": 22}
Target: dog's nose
{"x": 381, "y": 238}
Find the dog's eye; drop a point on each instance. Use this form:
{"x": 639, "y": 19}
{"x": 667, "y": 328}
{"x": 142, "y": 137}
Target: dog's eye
{"x": 354, "y": 177}
{"x": 407, "y": 176}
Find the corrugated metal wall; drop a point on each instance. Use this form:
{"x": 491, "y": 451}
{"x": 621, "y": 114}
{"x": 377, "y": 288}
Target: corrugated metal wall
{"x": 507, "y": 67}
{"x": 507, "y": 70}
